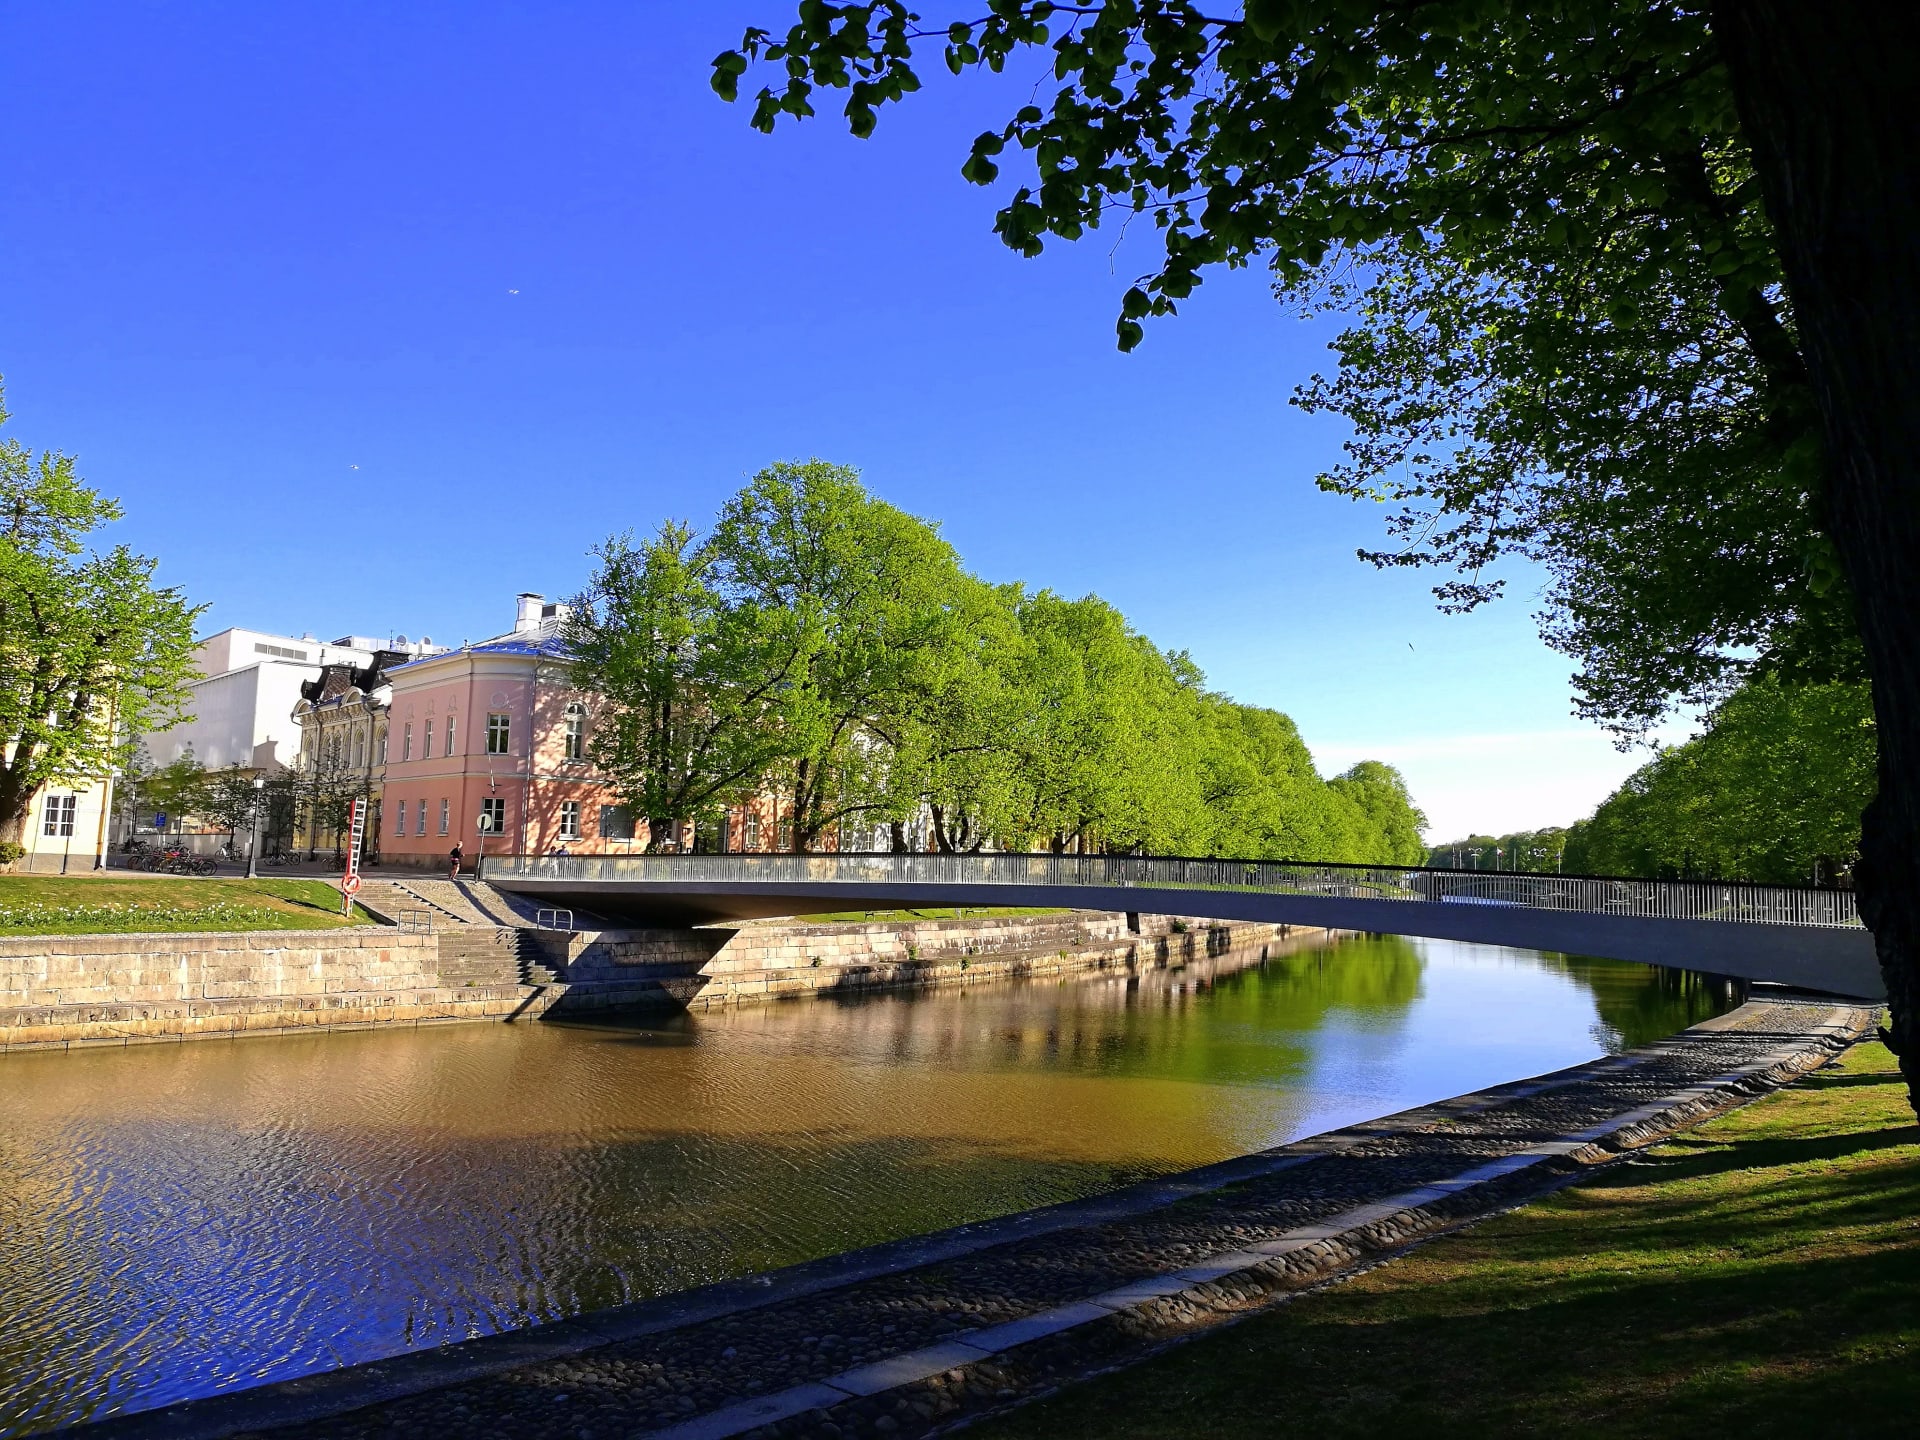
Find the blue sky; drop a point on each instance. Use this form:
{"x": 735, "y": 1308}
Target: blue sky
{"x": 373, "y": 316}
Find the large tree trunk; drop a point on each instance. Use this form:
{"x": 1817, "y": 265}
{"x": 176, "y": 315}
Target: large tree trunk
{"x": 1826, "y": 100}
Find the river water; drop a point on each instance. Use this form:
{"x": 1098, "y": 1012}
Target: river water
{"x": 177, "y": 1220}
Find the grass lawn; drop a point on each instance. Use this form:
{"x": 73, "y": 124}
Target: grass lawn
{"x": 945, "y": 912}
{"x": 1758, "y": 1276}
{"x": 81, "y": 905}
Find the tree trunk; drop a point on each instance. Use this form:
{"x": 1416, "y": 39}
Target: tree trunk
{"x": 16, "y": 796}
{"x": 898, "y": 831}
{"x": 1825, "y": 97}
{"x": 659, "y": 832}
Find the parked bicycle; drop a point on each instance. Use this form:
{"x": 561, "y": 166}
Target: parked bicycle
{"x": 174, "y": 861}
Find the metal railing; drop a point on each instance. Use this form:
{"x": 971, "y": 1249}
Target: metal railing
{"x": 553, "y": 918}
{"x": 1650, "y": 899}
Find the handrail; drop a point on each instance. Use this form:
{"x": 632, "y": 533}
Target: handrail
{"x": 1730, "y": 901}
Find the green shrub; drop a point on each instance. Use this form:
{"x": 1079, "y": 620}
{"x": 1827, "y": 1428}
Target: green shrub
{"x": 10, "y": 851}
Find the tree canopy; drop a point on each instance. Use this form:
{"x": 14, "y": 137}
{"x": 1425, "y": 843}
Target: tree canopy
{"x": 1639, "y": 283}
{"x": 90, "y": 648}
{"x": 1572, "y": 341}
{"x": 823, "y": 645}
{"x": 1771, "y": 790}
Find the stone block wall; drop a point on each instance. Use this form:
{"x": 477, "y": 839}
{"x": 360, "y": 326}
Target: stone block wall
{"x": 60, "y": 990}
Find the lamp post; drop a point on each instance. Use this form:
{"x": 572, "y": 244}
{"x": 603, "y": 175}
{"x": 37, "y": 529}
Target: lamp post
{"x": 253, "y": 841}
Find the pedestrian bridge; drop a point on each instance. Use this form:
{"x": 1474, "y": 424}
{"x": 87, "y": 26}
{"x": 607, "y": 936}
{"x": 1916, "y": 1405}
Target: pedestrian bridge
{"x": 1811, "y": 939}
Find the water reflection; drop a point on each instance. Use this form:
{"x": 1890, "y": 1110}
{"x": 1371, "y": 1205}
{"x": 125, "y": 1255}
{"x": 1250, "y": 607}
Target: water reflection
{"x": 176, "y": 1220}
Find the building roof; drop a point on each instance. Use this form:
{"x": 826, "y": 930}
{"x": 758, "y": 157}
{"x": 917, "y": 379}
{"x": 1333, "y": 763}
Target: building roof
{"x": 543, "y": 643}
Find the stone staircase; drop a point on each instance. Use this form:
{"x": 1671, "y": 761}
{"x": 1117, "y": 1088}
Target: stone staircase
{"x": 493, "y": 955}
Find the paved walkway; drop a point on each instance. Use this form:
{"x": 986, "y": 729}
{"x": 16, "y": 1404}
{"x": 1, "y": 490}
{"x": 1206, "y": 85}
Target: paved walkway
{"x": 906, "y": 1338}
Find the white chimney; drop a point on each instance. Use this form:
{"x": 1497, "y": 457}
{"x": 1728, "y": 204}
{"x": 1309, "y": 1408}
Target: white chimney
{"x": 527, "y": 618}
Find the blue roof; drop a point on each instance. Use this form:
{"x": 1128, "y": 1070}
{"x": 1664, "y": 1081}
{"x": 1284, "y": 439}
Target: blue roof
{"x": 548, "y": 646}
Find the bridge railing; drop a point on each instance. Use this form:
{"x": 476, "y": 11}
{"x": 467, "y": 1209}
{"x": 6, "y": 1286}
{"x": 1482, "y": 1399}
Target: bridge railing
{"x": 1651, "y": 899}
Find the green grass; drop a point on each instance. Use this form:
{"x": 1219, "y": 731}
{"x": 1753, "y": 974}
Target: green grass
{"x": 970, "y": 912}
{"x": 1758, "y": 1276}
{"x": 82, "y": 905}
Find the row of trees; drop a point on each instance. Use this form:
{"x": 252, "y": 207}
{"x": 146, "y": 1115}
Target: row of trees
{"x": 1533, "y": 852}
{"x": 827, "y": 646}
{"x": 315, "y": 799}
{"x": 1773, "y": 790}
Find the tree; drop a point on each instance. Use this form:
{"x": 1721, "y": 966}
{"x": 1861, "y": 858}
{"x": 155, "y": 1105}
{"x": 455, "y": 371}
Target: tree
{"x": 1772, "y": 791}
{"x": 1725, "y": 192}
{"x": 226, "y": 800}
{"x": 176, "y": 788}
{"x": 90, "y": 648}
{"x": 851, "y": 606}
{"x": 688, "y": 683}
{"x": 1387, "y": 820}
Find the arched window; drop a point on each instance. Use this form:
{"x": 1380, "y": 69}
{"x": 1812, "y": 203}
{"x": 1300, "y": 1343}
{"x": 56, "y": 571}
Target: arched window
{"x": 576, "y": 731}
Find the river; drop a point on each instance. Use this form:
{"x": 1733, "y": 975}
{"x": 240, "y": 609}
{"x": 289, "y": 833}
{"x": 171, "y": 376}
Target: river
{"x": 177, "y": 1220}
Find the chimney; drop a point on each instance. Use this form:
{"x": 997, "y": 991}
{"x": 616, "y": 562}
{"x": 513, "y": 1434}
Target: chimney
{"x": 527, "y": 617}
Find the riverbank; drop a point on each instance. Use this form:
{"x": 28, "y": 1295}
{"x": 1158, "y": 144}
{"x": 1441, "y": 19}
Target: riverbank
{"x": 1757, "y": 1276}
{"x": 72, "y": 991}
{"x": 903, "y": 1338}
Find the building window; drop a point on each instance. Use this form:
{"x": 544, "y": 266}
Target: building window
{"x": 383, "y": 747}
{"x": 280, "y": 651}
{"x": 449, "y": 746}
{"x": 616, "y": 822}
{"x": 359, "y": 747}
{"x": 576, "y": 731}
{"x": 421, "y": 829}
{"x": 750, "y": 831}
{"x": 494, "y": 807}
{"x": 569, "y": 819}
{"x": 446, "y": 812}
{"x": 406, "y": 741}
{"x": 426, "y": 739}
{"x": 497, "y": 733}
{"x": 333, "y": 751}
{"x": 399, "y": 818}
{"x": 784, "y": 834}
{"x": 59, "y": 815}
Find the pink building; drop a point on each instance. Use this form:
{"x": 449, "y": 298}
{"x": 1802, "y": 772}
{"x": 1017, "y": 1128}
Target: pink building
{"x": 496, "y": 729}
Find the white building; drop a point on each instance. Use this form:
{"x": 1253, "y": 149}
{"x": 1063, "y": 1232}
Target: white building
{"x": 243, "y": 709}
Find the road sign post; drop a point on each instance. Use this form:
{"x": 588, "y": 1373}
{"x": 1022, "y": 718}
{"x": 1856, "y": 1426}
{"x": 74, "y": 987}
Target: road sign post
{"x": 483, "y": 825}
{"x": 350, "y": 882}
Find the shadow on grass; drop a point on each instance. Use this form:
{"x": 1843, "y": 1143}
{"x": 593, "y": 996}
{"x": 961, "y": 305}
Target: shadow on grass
{"x": 1842, "y": 1080}
{"x": 1684, "y": 1162}
{"x": 1787, "y": 1347}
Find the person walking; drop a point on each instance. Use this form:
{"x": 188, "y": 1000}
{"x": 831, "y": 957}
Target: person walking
{"x": 453, "y": 861}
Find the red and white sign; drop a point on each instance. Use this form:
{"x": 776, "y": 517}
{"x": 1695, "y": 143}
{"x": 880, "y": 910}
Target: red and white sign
{"x": 351, "y": 885}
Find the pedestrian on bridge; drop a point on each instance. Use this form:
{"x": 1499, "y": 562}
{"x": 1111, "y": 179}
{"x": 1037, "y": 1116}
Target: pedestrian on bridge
{"x": 453, "y": 861}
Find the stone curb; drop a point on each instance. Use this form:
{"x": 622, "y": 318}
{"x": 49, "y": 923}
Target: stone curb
{"x": 1314, "y": 1251}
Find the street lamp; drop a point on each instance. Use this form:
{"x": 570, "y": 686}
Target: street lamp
{"x": 253, "y": 842}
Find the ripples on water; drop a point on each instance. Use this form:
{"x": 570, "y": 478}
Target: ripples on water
{"x": 181, "y": 1219}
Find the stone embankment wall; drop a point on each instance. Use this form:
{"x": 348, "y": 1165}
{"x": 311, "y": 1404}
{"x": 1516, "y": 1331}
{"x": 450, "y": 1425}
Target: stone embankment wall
{"x": 65, "y": 991}
{"x": 766, "y": 962}
{"x": 68, "y": 990}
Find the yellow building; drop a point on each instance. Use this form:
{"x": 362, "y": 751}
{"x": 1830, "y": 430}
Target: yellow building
{"x": 65, "y": 829}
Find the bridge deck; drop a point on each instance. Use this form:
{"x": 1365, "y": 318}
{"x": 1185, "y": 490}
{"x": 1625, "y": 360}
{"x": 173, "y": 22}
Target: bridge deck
{"x": 1810, "y": 939}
